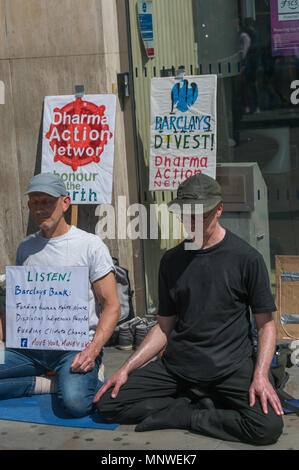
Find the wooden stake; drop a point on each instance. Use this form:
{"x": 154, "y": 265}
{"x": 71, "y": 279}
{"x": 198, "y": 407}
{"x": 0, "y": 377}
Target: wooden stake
{"x": 74, "y": 215}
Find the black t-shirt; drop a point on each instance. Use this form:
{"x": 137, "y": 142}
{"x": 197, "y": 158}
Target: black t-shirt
{"x": 211, "y": 291}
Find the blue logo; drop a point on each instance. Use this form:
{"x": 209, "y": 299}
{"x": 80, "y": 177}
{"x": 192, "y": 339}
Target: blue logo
{"x": 183, "y": 96}
{"x": 144, "y": 7}
{"x": 24, "y": 342}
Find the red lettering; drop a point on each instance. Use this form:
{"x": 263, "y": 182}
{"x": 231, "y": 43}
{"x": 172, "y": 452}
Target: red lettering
{"x": 39, "y": 342}
{"x": 185, "y": 158}
{"x": 204, "y": 162}
{"x": 158, "y": 162}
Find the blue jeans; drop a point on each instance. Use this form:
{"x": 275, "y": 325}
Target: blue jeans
{"x": 75, "y": 391}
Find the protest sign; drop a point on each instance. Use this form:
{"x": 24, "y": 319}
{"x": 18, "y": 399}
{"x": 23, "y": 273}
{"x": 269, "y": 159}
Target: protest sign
{"x": 183, "y": 129}
{"x": 78, "y": 145}
{"x": 285, "y": 27}
{"x": 47, "y": 307}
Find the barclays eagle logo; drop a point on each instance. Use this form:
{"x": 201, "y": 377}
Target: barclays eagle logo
{"x": 183, "y": 96}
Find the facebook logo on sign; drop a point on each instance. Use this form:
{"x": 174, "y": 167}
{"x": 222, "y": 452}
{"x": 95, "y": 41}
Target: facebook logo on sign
{"x": 24, "y": 342}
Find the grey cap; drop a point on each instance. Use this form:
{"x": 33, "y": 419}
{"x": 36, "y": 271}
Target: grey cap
{"x": 47, "y": 183}
{"x": 198, "y": 189}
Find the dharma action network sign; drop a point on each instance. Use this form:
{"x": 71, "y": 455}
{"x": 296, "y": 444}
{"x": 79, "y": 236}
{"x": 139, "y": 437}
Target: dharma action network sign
{"x": 183, "y": 129}
{"x": 78, "y": 145}
{"x": 47, "y": 307}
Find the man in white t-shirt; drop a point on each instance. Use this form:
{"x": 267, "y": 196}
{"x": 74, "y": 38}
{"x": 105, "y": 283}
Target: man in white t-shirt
{"x": 59, "y": 244}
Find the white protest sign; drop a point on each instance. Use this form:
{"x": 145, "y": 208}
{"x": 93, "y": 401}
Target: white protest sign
{"x": 78, "y": 145}
{"x": 183, "y": 129}
{"x": 47, "y": 307}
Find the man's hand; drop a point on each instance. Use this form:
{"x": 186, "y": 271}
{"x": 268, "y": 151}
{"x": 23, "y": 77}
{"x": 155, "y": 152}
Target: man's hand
{"x": 153, "y": 343}
{"x": 106, "y": 291}
{"x": 117, "y": 380}
{"x": 85, "y": 360}
{"x": 262, "y": 387}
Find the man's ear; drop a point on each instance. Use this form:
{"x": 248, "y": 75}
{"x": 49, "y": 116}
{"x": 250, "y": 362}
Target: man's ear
{"x": 219, "y": 209}
{"x": 66, "y": 202}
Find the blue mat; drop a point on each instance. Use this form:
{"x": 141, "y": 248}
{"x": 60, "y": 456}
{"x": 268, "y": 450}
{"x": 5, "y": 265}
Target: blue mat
{"x": 44, "y": 409}
{"x": 294, "y": 402}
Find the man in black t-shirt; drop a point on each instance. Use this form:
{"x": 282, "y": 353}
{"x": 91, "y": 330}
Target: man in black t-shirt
{"x": 206, "y": 379}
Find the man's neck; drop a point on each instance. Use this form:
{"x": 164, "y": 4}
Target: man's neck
{"x": 61, "y": 229}
{"x": 215, "y": 238}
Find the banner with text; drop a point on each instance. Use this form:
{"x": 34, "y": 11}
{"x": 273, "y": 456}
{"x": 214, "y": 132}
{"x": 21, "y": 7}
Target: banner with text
{"x": 285, "y": 27}
{"x": 183, "y": 129}
{"x": 78, "y": 145}
{"x": 47, "y": 307}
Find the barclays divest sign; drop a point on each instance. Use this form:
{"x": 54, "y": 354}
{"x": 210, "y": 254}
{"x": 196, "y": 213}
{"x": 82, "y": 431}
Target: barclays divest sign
{"x": 183, "y": 130}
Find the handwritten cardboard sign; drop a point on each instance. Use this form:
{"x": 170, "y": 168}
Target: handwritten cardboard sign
{"x": 47, "y": 307}
{"x": 183, "y": 130}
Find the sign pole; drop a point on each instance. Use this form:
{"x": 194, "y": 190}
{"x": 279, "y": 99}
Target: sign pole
{"x": 74, "y": 215}
{"x": 79, "y": 93}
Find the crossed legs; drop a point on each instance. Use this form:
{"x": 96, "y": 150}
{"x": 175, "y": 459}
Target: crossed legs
{"x": 155, "y": 399}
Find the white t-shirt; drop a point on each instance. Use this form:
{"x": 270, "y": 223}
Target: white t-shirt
{"x": 75, "y": 248}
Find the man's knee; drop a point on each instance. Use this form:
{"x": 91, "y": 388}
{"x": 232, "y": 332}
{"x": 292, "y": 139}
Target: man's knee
{"x": 268, "y": 431}
{"x": 106, "y": 407}
{"x": 76, "y": 404}
{"x": 116, "y": 410}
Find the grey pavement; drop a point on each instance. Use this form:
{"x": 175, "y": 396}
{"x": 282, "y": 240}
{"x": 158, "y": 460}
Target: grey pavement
{"x": 28, "y": 436}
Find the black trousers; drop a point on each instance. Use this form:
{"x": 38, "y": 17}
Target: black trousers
{"x": 152, "y": 388}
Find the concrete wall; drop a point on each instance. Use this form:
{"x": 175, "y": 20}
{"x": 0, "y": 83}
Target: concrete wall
{"x": 46, "y": 48}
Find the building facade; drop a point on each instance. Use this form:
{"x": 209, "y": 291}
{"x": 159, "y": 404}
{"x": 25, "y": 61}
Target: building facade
{"x": 49, "y": 47}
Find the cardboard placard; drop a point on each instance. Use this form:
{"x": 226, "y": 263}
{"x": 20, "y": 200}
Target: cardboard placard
{"x": 47, "y": 307}
{"x": 183, "y": 130}
{"x": 287, "y": 295}
{"x": 78, "y": 145}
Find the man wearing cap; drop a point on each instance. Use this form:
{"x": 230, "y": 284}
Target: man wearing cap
{"x": 59, "y": 244}
{"x": 206, "y": 380}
